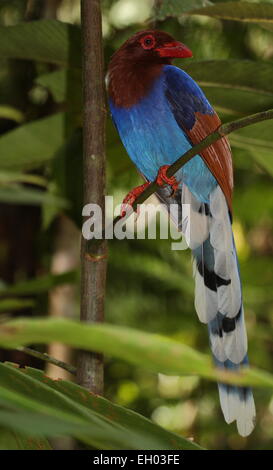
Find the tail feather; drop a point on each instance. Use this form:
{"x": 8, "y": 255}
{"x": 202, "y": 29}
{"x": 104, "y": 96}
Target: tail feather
{"x": 205, "y": 301}
{"x": 195, "y": 226}
{"x": 230, "y": 402}
{"x": 228, "y": 338}
{"x": 218, "y": 298}
{"x": 237, "y": 403}
{"x": 226, "y": 265}
{"x": 247, "y": 415}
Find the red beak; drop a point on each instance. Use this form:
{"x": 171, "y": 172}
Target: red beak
{"x": 174, "y": 49}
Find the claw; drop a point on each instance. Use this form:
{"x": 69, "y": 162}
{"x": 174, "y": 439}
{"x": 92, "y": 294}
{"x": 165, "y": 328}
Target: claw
{"x": 162, "y": 179}
{"x": 131, "y": 197}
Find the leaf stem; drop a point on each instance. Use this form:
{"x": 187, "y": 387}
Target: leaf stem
{"x": 45, "y": 357}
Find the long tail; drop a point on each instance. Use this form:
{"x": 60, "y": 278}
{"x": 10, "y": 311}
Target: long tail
{"x": 218, "y": 297}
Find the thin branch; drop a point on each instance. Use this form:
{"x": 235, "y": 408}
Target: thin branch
{"x": 45, "y": 357}
{"x": 93, "y": 274}
{"x": 223, "y": 130}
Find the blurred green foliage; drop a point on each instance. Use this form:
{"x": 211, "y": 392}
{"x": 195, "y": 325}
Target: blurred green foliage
{"x": 58, "y": 407}
{"x": 149, "y": 285}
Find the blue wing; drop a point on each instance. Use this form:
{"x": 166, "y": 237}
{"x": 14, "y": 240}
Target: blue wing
{"x": 185, "y": 97}
{"x": 196, "y": 117}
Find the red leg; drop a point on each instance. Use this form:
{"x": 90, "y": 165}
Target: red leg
{"x": 131, "y": 197}
{"x": 162, "y": 178}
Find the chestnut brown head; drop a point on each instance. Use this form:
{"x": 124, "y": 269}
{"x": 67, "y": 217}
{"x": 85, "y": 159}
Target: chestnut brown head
{"x": 153, "y": 47}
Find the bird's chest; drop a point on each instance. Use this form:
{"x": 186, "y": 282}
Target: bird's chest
{"x": 153, "y": 138}
{"x": 150, "y": 132}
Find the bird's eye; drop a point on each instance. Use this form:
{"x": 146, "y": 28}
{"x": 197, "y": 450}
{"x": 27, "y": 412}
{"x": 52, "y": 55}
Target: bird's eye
{"x": 148, "y": 42}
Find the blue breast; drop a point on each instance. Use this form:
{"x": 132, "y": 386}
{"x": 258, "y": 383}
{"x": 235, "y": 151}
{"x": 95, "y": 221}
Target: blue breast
{"x": 153, "y": 138}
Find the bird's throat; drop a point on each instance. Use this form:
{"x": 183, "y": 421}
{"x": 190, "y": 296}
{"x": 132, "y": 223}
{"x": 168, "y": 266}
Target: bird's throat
{"x": 129, "y": 83}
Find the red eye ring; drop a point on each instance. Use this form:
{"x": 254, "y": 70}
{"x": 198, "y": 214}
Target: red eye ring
{"x": 147, "y": 42}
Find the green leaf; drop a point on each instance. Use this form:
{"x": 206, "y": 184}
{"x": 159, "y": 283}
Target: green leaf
{"x": 176, "y": 7}
{"x": 263, "y": 159}
{"x": 16, "y": 177}
{"x": 56, "y": 83}
{"x": 62, "y": 83}
{"x": 154, "y": 352}
{"x": 257, "y": 140}
{"x": 17, "y": 194}
{"x": 267, "y": 26}
{"x": 32, "y": 144}
{"x": 238, "y": 11}
{"x": 45, "y": 40}
{"x": 15, "y": 304}
{"x": 8, "y": 112}
{"x": 235, "y": 87}
{"x": 11, "y": 440}
{"x": 33, "y": 403}
{"x": 38, "y": 285}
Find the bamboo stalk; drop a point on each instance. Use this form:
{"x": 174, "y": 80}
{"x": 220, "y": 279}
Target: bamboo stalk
{"x": 93, "y": 274}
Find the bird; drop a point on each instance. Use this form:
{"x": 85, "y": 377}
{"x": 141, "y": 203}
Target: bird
{"x": 160, "y": 112}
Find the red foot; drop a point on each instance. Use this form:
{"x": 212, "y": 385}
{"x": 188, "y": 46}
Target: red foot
{"x": 131, "y": 197}
{"x": 162, "y": 178}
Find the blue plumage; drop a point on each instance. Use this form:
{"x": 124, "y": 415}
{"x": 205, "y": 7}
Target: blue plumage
{"x": 184, "y": 96}
{"x": 151, "y": 133}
